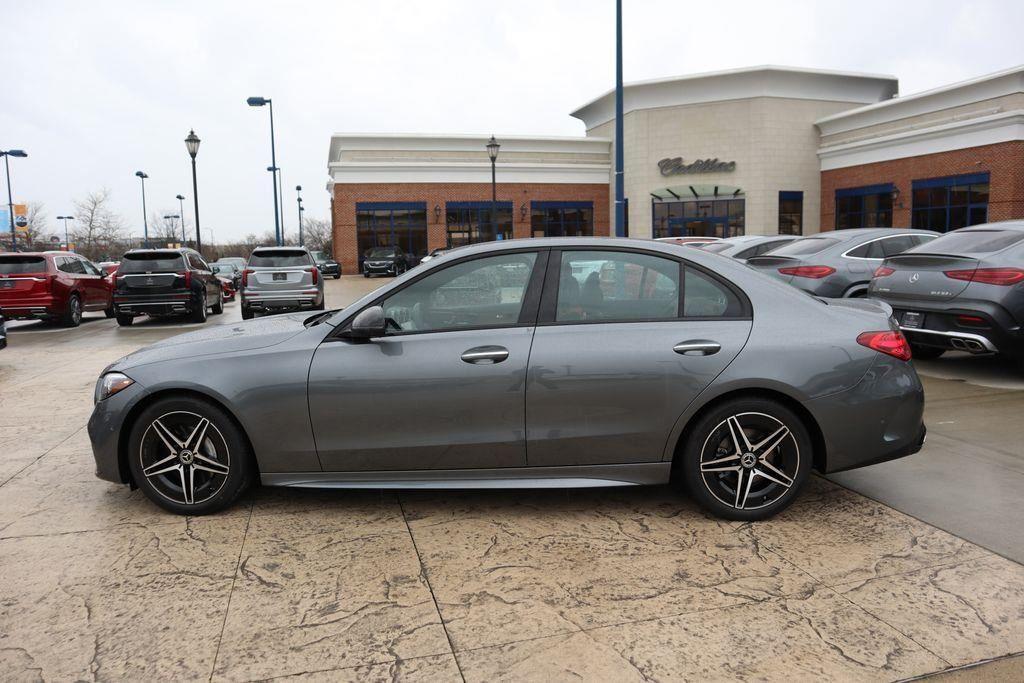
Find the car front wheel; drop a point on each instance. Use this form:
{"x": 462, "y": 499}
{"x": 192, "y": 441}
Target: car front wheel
{"x": 188, "y": 456}
{"x": 747, "y": 459}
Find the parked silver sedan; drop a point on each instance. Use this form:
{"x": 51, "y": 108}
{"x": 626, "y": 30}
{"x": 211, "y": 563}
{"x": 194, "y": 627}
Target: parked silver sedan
{"x": 281, "y": 279}
{"x": 526, "y": 363}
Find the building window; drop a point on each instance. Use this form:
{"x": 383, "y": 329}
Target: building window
{"x": 791, "y": 213}
{"x": 562, "y": 219}
{"x": 392, "y": 224}
{"x": 864, "y": 207}
{"x": 944, "y": 204}
{"x": 702, "y": 218}
{"x": 472, "y": 222}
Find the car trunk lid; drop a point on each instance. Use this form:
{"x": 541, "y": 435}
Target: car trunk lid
{"x": 23, "y": 275}
{"x": 770, "y": 265}
{"x": 152, "y": 272}
{"x": 270, "y": 279}
{"x": 923, "y": 277}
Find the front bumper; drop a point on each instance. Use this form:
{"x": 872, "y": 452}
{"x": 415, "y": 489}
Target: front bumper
{"x": 380, "y": 268}
{"x": 105, "y": 426}
{"x": 881, "y": 418}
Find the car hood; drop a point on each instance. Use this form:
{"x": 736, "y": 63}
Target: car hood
{"x": 214, "y": 339}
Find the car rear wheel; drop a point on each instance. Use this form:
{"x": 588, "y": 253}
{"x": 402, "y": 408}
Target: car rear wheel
{"x": 918, "y": 352}
{"x": 188, "y": 456}
{"x": 746, "y": 459}
{"x": 337, "y": 276}
{"x": 72, "y": 316}
{"x": 109, "y": 312}
{"x": 199, "y": 313}
{"x": 218, "y": 307}
{"x": 247, "y": 313}
{"x": 125, "y": 319}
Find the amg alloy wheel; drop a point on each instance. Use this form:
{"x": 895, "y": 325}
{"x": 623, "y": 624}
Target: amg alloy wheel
{"x": 188, "y": 456}
{"x": 750, "y": 460}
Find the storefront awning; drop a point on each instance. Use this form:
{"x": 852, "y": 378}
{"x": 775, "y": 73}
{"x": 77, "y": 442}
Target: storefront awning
{"x": 689, "y": 192}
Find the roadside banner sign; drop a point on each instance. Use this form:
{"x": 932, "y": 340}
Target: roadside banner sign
{"x": 20, "y": 217}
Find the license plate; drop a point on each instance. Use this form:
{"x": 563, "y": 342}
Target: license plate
{"x": 912, "y": 319}
{"x": 6, "y": 284}
{"x": 280, "y": 276}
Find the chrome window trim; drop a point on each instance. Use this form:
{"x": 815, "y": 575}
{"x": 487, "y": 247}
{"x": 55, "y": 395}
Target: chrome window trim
{"x": 846, "y": 253}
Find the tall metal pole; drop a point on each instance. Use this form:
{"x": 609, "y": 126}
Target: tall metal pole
{"x": 10, "y": 205}
{"x": 145, "y": 221}
{"x": 195, "y": 197}
{"x": 273, "y": 178}
{"x": 280, "y": 190}
{"x": 181, "y": 212}
{"x": 298, "y": 191}
{"x": 620, "y": 174}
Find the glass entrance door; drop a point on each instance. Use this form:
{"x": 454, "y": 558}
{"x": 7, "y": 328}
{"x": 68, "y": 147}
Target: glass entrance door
{"x": 699, "y": 218}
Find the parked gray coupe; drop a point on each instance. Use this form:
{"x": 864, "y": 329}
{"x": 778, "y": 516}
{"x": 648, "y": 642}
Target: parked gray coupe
{"x": 839, "y": 263}
{"x": 745, "y": 247}
{"x": 526, "y": 363}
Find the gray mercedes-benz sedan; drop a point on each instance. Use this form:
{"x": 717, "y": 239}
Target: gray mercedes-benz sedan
{"x": 523, "y": 363}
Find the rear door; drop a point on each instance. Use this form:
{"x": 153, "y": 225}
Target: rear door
{"x": 626, "y": 340}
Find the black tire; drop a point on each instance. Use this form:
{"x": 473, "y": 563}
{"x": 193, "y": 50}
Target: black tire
{"x": 72, "y": 315}
{"x": 109, "y": 312}
{"x": 125, "y": 319}
{"x": 337, "y": 276}
{"x": 320, "y": 306}
{"x": 198, "y": 314}
{"x": 247, "y": 313}
{"x": 218, "y": 470}
{"x": 918, "y": 352}
{"x": 761, "y": 476}
{"x": 365, "y": 274}
{"x": 218, "y": 307}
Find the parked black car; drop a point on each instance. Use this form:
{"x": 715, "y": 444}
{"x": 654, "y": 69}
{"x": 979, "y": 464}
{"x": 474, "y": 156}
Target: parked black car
{"x": 327, "y": 266}
{"x": 385, "y": 261}
{"x": 165, "y": 282}
{"x": 963, "y": 291}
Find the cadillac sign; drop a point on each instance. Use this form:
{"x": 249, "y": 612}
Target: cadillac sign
{"x": 677, "y": 166}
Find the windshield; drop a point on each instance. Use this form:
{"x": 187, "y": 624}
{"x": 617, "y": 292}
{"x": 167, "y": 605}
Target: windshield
{"x": 319, "y": 256}
{"x": 13, "y": 265}
{"x": 970, "y": 242}
{"x": 221, "y": 268}
{"x": 382, "y": 252}
{"x": 279, "y": 258}
{"x": 152, "y": 262}
{"x": 807, "y": 245}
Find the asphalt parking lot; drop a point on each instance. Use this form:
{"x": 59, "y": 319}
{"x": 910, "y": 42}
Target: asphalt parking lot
{"x": 895, "y": 571}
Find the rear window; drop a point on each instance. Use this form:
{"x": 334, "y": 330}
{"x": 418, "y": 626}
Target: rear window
{"x": 971, "y": 242}
{"x": 715, "y": 247}
{"x": 13, "y": 265}
{"x": 807, "y": 245}
{"x": 151, "y": 262}
{"x": 279, "y": 258}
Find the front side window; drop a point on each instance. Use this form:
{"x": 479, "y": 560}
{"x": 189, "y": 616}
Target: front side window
{"x": 610, "y": 285}
{"x": 864, "y": 207}
{"x": 484, "y": 292}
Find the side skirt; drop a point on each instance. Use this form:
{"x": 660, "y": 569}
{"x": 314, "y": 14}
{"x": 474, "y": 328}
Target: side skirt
{"x": 579, "y": 476}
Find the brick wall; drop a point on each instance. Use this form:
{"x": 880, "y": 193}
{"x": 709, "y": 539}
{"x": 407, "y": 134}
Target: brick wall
{"x": 346, "y": 196}
{"x": 1003, "y": 161}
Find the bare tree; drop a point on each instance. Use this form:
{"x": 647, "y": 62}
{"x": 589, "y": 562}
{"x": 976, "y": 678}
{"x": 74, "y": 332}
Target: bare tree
{"x": 99, "y": 230}
{"x": 316, "y": 234}
{"x": 37, "y": 233}
{"x": 166, "y": 230}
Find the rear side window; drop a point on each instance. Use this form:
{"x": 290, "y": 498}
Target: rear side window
{"x": 807, "y": 245}
{"x": 71, "y": 265}
{"x": 152, "y": 262}
{"x": 898, "y": 245}
{"x": 705, "y": 297}
{"x": 610, "y": 285}
{"x": 716, "y": 247}
{"x": 872, "y": 249}
{"x": 279, "y": 258}
{"x": 14, "y": 265}
{"x": 972, "y": 242}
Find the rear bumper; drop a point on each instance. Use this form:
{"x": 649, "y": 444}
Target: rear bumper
{"x": 941, "y": 326}
{"x": 159, "y": 305}
{"x": 33, "y": 308}
{"x": 281, "y": 299}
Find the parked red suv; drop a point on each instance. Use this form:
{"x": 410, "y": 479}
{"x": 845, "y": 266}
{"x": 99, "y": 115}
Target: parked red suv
{"x": 53, "y": 285}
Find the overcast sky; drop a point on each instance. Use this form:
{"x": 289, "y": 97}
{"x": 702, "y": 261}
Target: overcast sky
{"x": 95, "y": 91}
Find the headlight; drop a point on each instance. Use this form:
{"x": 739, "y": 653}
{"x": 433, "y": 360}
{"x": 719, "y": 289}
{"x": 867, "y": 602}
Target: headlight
{"x": 111, "y": 383}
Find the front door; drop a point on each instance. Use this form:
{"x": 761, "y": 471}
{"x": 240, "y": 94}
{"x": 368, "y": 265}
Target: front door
{"x": 445, "y": 389}
{"x": 619, "y": 354}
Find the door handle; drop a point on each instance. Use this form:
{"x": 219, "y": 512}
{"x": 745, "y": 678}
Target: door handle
{"x": 485, "y": 355}
{"x": 697, "y": 347}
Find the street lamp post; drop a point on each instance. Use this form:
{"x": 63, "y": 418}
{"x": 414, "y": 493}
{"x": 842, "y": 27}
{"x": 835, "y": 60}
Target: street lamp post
{"x": 259, "y": 102}
{"x": 620, "y": 174}
{"x": 192, "y": 145}
{"x": 178, "y": 216}
{"x": 492, "y": 152}
{"x": 10, "y": 199}
{"x": 298, "y": 191}
{"x": 181, "y": 210}
{"x": 145, "y": 222}
{"x": 67, "y": 240}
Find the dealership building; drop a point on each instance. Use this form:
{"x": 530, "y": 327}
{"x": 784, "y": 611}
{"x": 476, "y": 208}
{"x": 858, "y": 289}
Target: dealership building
{"x": 762, "y": 150}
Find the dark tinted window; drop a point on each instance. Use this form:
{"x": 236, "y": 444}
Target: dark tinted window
{"x": 612, "y": 285}
{"x": 872, "y": 249}
{"x": 71, "y": 265}
{"x": 807, "y": 245}
{"x": 382, "y": 252}
{"x": 279, "y": 258}
{"x": 748, "y": 253}
{"x": 705, "y": 297}
{"x": 972, "y": 242}
{"x": 898, "y": 245}
{"x": 12, "y": 265}
{"x": 152, "y": 262}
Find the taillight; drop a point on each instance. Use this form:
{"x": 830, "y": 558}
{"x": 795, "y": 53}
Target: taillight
{"x": 245, "y": 277}
{"x": 971, "y": 321}
{"x": 814, "y": 272}
{"x": 188, "y": 278}
{"x": 889, "y": 342}
{"x": 884, "y": 271}
{"x": 988, "y": 276}
{"x": 316, "y": 274}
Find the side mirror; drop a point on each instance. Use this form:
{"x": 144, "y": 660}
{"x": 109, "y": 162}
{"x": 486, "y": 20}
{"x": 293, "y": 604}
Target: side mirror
{"x": 368, "y": 324}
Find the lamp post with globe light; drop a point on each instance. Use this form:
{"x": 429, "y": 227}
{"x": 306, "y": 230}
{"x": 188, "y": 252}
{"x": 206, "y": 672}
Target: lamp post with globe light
{"x": 192, "y": 145}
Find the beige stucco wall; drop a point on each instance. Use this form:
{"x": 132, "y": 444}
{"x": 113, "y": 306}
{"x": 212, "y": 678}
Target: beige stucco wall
{"x": 772, "y": 140}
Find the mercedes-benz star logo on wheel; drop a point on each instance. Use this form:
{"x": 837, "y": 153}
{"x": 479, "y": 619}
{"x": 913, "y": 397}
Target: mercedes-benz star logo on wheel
{"x": 914, "y": 278}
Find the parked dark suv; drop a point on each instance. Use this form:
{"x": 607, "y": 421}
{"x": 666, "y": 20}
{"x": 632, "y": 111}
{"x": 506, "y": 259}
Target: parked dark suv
{"x": 385, "y": 261}
{"x": 165, "y": 282}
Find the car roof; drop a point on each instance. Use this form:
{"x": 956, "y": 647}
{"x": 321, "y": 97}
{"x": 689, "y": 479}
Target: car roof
{"x": 1015, "y": 225}
{"x": 163, "y": 250}
{"x": 284, "y": 248}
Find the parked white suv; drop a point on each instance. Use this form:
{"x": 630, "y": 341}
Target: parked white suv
{"x": 281, "y": 279}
